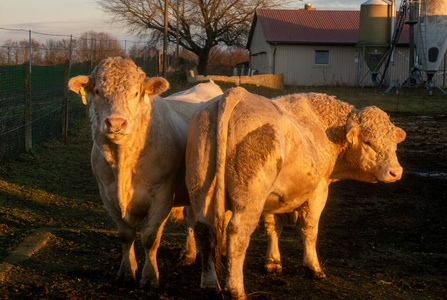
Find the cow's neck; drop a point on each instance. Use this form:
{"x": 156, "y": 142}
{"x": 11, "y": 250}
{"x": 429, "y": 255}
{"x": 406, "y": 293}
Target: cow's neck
{"x": 123, "y": 159}
{"x": 334, "y": 115}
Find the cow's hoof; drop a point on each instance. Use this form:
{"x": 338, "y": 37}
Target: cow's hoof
{"x": 235, "y": 296}
{"x": 145, "y": 284}
{"x": 186, "y": 259}
{"x": 211, "y": 293}
{"x": 315, "y": 274}
{"x": 318, "y": 275}
{"x": 125, "y": 278}
{"x": 273, "y": 267}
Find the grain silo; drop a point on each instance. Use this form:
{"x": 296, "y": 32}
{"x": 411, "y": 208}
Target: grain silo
{"x": 432, "y": 38}
{"x": 374, "y": 33}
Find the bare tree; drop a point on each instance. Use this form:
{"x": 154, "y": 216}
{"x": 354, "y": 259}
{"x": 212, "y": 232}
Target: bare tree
{"x": 203, "y": 24}
{"x": 9, "y": 52}
{"x": 101, "y": 44}
{"x": 55, "y": 52}
{"x": 135, "y": 50}
{"x": 222, "y": 60}
{"x": 22, "y": 53}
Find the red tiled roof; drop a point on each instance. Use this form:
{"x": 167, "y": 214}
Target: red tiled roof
{"x": 287, "y": 26}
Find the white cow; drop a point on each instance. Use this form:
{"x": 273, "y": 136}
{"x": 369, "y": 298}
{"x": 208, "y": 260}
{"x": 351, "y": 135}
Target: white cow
{"x": 138, "y": 152}
{"x": 250, "y": 155}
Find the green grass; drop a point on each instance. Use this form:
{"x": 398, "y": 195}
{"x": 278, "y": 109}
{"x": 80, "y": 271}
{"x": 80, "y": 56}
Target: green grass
{"x": 415, "y": 100}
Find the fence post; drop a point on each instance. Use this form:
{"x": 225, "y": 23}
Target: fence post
{"x": 65, "y": 117}
{"x": 27, "y": 111}
{"x": 87, "y": 109}
{"x": 445, "y": 64}
{"x": 91, "y": 56}
{"x": 30, "y": 51}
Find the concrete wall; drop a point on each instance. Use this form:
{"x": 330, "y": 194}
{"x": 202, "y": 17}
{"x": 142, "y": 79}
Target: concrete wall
{"x": 267, "y": 80}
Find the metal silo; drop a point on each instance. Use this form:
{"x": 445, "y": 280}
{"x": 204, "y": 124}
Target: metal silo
{"x": 432, "y": 35}
{"x": 374, "y": 33}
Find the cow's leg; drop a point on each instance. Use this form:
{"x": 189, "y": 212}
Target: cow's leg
{"x": 273, "y": 225}
{"x": 239, "y": 230}
{"x": 309, "y": 216}
{"x": 188, "y": 254}
{"x": 203, "y": 230}
{"x": 126, "y": 232}
{"x": 129, "y": 265}
{"x": 151, "y": 235}
{"x": 201, "y": 200}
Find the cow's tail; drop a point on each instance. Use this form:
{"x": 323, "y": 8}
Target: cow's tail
{"x": 225, "y": 109}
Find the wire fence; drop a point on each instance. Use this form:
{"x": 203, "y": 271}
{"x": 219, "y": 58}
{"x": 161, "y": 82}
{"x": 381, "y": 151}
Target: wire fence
{"x": 32, "y": 106}
{"x": 29, "y": 46}
{"x": 35, "y": 105}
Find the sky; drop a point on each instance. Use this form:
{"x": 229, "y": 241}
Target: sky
{"x": 63, "y": 18}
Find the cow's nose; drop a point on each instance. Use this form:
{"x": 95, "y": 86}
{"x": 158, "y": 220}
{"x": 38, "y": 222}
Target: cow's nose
{"x": 395, "y": 173}
{"x": 115, "y": 125}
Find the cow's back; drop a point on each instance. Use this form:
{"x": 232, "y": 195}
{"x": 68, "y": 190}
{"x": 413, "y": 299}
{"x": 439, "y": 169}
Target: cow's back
{"x": 183, "y": 109}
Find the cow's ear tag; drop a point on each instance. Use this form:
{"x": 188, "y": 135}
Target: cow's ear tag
{"x": 354, "y": 140}
{"x": 83, "y": 94}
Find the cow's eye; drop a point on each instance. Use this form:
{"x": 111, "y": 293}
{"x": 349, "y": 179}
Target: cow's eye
{"x": 97, "y": 92}
{"x": 369, "y": 145}
{"x": 136, "y": 94}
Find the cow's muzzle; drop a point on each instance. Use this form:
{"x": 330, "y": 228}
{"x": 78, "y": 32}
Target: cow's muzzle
{"x": 390, "y": 174}
{"x": 115, "y": 125}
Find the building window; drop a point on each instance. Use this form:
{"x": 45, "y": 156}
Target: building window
{"x": 321, "y": 57}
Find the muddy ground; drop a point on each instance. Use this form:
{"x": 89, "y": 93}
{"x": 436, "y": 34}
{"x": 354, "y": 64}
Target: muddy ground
{"x": 376, "y": 241}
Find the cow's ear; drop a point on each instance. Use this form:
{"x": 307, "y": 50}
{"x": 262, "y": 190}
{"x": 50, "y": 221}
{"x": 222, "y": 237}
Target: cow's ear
{"x": 80, "y": 85}
{"x": 155, "y": 85}
{"x": 352, "y": 135}
{"x": 400, "y": 135}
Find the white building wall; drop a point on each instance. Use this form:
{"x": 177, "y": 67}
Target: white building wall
{"x": 297, "y": 63}
{"x": 259, "y": 51}
{"x": 346, "y": 66}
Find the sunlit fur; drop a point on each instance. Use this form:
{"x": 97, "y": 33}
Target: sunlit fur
{"x": 139, "y": 142}
{"x": 253, "y": 155}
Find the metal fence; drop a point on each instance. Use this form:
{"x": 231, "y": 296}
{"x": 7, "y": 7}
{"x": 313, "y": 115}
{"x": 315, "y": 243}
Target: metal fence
{"x": 30, "y": 46}
{"x": 36, "y": 106}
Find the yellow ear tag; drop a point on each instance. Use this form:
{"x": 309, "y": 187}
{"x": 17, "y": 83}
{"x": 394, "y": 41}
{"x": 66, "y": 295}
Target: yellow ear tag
{"x": 82, "y": 91}
{"x": 83, "y": 94}
{"x": 354, "y": 140}
{"x": 150, "y": 90}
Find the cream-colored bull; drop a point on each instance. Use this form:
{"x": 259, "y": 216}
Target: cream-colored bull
{"x": 139, "y": 142}
{"x": 252, "y": 155}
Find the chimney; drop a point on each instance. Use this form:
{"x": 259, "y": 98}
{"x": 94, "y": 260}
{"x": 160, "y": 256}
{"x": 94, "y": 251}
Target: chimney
{"x": 308, "y": 6}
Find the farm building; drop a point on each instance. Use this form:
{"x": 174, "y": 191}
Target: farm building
{"x": 315, "y": 47}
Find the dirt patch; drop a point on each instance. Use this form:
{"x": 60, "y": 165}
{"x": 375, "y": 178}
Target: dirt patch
{"x": 376, "y": 241}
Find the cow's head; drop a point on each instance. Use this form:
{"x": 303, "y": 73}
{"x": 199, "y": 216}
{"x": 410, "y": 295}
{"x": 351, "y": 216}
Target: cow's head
{"x": 120, "y": 94}
{"x": 372, "y": 145}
